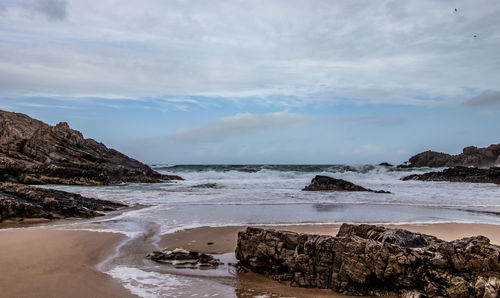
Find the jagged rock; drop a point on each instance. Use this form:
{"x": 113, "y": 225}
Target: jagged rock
{"x": 325, "y": 183}
{"x": 470, "y": 157}
{"x": 460, "y": 174}
{"x": 183, "y": 258}
{"x": 372, "y": 260}
{"x": 33, "y": 152}
{"x": 23, "y": 201}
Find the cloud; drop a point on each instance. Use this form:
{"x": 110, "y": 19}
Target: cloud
{"x": 238, "y": 125}
{"x": 52, "y": 9}
{"x": 373, "y": 120}
{"x": 380, "y": 52}
{"x": 485, "y": 99}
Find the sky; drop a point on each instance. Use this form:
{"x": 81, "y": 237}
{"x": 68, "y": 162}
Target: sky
{"x": 238, "y": 82}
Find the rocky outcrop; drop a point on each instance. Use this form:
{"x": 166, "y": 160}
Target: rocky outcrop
{"x": 460, "y": 174}
{"x": 470, "y": 157}
{"x": 325, "y": 183}
{"x": 385, "y": 164}
{"x": 185, "y": 259}
{"x": 372, "y": 260}
{"x": 33, "y": 152}
{"x": 23, "y": 201}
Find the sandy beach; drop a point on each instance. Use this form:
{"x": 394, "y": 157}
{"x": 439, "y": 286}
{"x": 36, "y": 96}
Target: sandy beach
{"x": 45, "y": 262}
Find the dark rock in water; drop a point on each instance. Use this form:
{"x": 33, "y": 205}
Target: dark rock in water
{"x": 18, "y": 200}
{"x": 460, "y": 174}
{"x": 325, "y": 183}
{"x": 209, "y": 185}
{"x": 470, "y": 157}
{"x": 385, "y": 164}
{"x": 372, "y": 260}
{"x": 183, "y": 258}
{"x": 33, "y": 152}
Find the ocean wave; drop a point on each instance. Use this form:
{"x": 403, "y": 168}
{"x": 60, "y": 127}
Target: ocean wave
{"x": 335, "y": 168}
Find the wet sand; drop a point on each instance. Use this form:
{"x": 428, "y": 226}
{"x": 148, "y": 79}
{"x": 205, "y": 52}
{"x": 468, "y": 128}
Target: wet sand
{"x": 43, "y": 262}
{"x": 224, "y": 239}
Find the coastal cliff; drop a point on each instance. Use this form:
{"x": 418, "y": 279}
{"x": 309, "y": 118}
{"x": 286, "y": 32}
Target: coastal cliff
{"x": 470, "y": 157}
{"x": 32, "y": 152}
{"x": 373, "y": 260}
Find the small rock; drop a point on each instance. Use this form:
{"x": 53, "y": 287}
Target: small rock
{"x": 325, "y": 183}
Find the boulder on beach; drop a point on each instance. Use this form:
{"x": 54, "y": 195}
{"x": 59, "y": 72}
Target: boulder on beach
{"x": 32, "y": 152}
{"x": 460, "y": 174}
{"x": 325, "y": 183}
{"x": 470, "y": 157}
{"x": 185, "y": 259}
{"x": 24, "y": 201}
{"x": 373, "y": 260}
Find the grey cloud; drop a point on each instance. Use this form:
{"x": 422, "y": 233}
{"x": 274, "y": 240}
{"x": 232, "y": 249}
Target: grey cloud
{"x": 485, "y": 99}
{"x": 53, "y": 9}
{"x": 155, "y": 48}
{"x": 238, "y": 125}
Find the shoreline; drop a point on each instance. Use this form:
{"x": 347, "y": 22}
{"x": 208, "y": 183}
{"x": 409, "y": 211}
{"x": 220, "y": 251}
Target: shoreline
{"x": 62, "y": 263}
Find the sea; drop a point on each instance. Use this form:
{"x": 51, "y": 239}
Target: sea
{"x": 234, "y": 195}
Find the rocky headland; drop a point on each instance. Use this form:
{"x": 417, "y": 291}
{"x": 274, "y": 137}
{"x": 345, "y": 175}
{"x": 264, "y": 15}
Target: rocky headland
{"x": 32, "y": 152}
{"x": 460, "y": 174}
{"x": 325, "y": 183}
{"x": 373, "y": 260}
{"x": 470, "y": 157}
{"x": 18, "y": 201}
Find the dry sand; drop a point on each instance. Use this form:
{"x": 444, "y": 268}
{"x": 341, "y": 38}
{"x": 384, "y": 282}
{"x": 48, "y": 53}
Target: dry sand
{"x": 42, "y": 262}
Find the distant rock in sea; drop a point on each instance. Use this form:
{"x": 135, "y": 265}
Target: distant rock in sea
{"x": 24, "y": 201}
{"x": 372, "y": 260}
{"x": 470, "y": 157}
{"x": 385, "y": 164}
{"x": 460, "y": 174}
{"x": 325, "y": 183}
{"x": 32, "y": 152}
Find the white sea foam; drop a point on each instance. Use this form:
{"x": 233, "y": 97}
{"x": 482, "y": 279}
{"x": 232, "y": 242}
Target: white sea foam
{"x": 148, "y": 284}
{"x": 271, "y": 195}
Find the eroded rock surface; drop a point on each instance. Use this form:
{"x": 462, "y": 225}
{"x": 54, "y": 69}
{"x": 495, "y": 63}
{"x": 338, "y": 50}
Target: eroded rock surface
{"x": 372, "y": 260}
{"x": 460, "y": 174}
{"x": 325, "y": 183}
{"x": 470, "y": 157}
{"x": 183, "y": 258}
{"x": 23, "y": 201}
{"x": 33, "y": 152}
